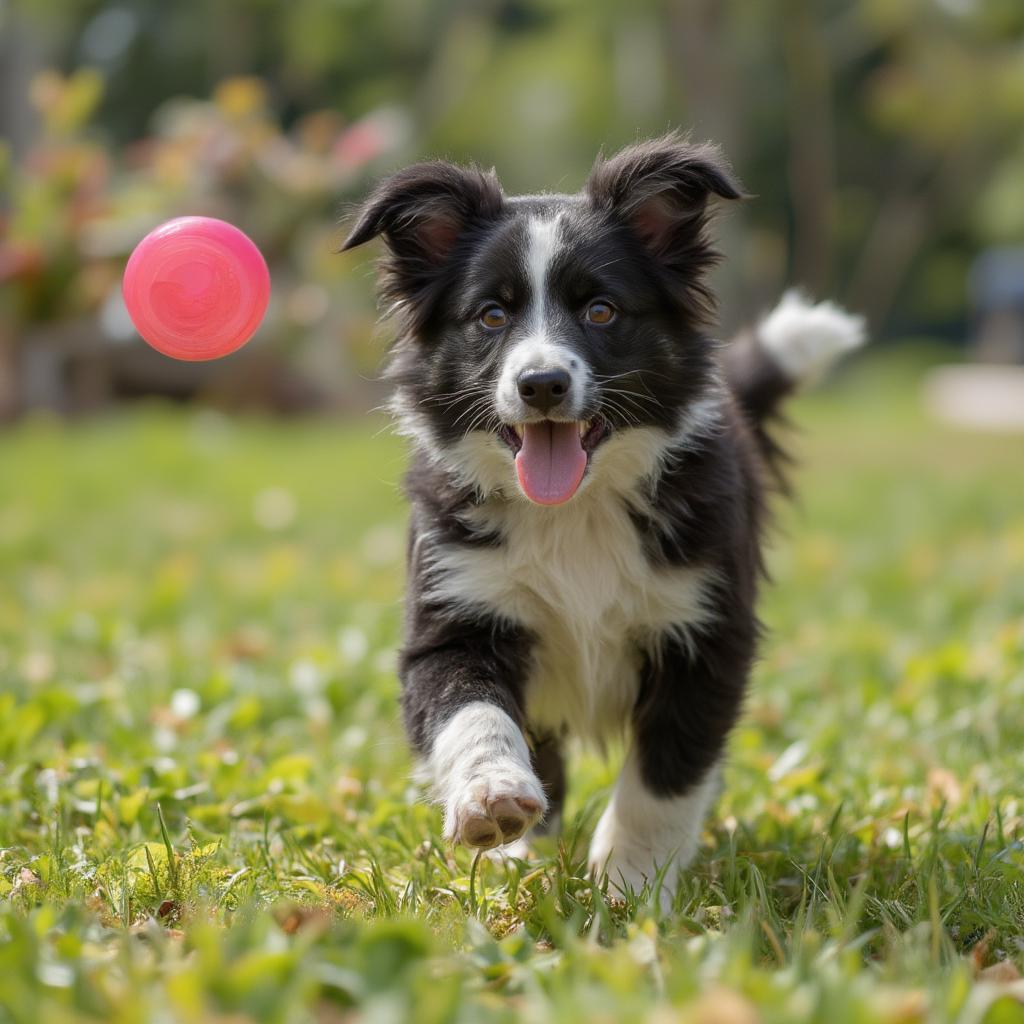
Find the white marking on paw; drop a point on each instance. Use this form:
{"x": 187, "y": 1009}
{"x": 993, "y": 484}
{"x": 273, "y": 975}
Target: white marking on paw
{"x": 641, "y": 835}
{"x": 805, "y": 339}
{"x": 480, "y": 766}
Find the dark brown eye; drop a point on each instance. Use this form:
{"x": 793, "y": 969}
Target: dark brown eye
{"x": 600, "y": 313}
{"x": 494, "y": 318}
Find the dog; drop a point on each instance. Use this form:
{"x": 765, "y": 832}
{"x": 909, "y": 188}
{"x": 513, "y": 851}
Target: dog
{"x": 588, "y": 484}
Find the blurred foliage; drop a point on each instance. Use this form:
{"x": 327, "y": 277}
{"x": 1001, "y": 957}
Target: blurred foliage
{"x": 882, "y": 137}
{"x": 205, "y": 807}
{"x": 77, "y": 208}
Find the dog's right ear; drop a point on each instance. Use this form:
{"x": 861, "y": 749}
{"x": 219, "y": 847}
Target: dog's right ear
{"x": 421, "y": 212}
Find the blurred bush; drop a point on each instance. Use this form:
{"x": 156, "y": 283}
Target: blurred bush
{"x": 77, "y": 208}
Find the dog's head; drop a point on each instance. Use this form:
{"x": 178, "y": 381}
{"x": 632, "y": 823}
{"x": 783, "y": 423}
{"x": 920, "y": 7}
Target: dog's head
{"x": 550, "y": 340}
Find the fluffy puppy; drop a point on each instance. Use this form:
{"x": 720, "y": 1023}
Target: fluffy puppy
{"x": 588, "y": 477}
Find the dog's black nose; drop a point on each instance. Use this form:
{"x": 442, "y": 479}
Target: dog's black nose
{"x": 543, "y": 389}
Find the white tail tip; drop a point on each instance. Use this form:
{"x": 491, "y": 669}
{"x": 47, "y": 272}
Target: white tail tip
{"x": 805, "y": 339}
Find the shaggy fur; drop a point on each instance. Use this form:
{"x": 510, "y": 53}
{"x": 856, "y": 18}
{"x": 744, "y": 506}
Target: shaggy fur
{"x": 625, "y": 603}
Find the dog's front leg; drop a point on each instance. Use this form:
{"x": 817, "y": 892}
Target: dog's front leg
{"x": 480, "y": 765}
{"x": 462, "y": 711}
{"x": 689, "y": 700}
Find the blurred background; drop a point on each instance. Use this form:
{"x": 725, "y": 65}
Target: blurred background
{"x": 883, "y": 140}
{"x": 200, "y": 587}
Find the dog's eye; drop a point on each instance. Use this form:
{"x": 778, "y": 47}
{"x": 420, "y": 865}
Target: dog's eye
{"x": 494, "y": 318}
{"x": 600, "y": 313}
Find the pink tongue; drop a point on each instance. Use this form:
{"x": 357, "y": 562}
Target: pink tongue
{"x": 551, "y": 462}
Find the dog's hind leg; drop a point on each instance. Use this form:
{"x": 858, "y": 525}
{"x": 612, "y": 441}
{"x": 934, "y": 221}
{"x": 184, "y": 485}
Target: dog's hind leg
{"x": 548, "y": 760}
{"x": 689, "y": 700}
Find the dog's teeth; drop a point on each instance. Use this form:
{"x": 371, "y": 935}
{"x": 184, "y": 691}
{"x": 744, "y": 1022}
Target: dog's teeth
{"x": 584, "y": 427}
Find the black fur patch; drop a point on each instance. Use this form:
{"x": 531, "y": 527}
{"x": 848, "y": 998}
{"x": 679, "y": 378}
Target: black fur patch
{"x": 637, "y": 237}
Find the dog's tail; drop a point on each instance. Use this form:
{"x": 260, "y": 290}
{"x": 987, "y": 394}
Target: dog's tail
{"x": 790, "y": 348}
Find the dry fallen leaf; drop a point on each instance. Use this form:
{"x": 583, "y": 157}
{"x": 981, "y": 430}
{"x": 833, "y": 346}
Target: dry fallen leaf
{"x": 723, "y": 1006}
{"x": 902, "y": 1007}
{"x": 295, "y": 918}
{"x": 944, "y": 785}
{"x": 1003, "y": 972}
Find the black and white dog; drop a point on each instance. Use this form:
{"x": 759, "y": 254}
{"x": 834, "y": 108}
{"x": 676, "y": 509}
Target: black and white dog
{"x": 587, "y": 485}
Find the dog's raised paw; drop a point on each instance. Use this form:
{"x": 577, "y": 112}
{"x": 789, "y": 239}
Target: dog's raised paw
{"x": 494, "y": 807}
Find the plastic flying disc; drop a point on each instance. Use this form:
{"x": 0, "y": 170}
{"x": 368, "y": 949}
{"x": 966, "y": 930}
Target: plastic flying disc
{"x": 196, "y": 288}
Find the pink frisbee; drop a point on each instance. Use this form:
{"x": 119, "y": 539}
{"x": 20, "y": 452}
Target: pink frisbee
{"x": 196, "y": 288}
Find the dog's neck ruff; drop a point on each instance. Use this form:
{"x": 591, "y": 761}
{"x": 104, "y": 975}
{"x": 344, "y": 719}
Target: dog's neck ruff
{"x": 627, "y": 465}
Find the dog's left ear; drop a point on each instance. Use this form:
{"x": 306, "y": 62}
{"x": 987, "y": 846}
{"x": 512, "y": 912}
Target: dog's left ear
{"x": 661, "y": 190}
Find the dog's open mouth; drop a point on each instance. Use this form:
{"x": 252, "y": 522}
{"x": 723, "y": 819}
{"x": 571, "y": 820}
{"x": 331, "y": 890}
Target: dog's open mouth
{"x": 551, "y": 457}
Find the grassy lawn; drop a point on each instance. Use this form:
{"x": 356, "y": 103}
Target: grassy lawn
{"x": 205, "y": 811}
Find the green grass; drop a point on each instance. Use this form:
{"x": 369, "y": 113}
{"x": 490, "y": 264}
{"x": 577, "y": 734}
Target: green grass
{"x": 205, "y": 811}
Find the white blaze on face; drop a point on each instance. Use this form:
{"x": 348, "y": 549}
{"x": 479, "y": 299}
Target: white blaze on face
{"x": 550, "y": 462}
{"x": 542, "y": 242}
{"x": 537, "y": 351}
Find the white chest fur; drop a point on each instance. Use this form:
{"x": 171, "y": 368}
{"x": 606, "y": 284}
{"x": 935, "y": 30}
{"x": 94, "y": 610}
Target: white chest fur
{"x": 578, "y": 578}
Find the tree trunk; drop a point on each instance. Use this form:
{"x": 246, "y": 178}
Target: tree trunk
{"x": 811, "y": 147}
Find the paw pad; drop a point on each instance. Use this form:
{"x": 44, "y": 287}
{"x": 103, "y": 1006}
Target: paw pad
{"x": 493, "y": 812}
